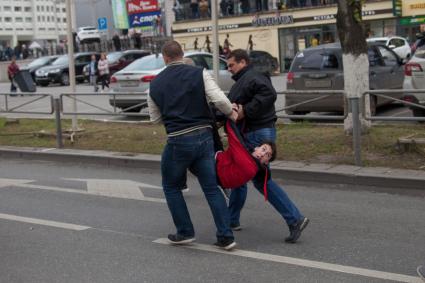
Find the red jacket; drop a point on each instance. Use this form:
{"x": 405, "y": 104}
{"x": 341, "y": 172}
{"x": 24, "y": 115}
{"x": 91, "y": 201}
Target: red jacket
{"x": 12, "y": 70}
{"x": 236, "y": 166}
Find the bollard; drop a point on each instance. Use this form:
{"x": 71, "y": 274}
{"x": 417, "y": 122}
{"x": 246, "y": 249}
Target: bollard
{"x": 354, "y": 102}
{"x": 57, "y": 109}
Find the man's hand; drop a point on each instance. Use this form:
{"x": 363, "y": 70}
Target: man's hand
{"x": 241, "y": 114}
{"x": 234, "y": 115}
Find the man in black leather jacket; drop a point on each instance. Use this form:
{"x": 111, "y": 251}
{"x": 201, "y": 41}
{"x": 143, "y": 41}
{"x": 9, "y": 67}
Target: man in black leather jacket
{"x": 254, "y": 96}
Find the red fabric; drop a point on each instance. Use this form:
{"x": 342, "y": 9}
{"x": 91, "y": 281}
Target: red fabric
{"x": 12, "y": 70}
{"x": 235, "y": 166}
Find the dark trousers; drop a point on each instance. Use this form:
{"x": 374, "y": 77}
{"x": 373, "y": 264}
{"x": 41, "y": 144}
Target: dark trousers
{"x": 105, "y": 81}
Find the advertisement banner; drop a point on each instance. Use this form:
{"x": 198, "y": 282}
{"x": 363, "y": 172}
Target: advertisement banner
{"x": 141, "y": 6}
{"x": 119, "y": 12}
{"x": 143, "y": 19}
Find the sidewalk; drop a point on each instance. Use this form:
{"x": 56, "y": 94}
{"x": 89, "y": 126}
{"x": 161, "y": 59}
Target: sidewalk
{"x": 288, "y": 170}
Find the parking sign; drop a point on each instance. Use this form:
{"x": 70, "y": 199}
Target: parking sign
{"x": 102, "y": 23}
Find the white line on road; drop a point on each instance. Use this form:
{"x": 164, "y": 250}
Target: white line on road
{"x": 44, "y": 222}
{"x": 303, "y": 262}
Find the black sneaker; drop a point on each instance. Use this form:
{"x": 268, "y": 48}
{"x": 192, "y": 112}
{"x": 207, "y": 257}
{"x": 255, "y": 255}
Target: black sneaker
{"x": 421, "y": 272}
{"x": 236, "y": 227}
{"x": 296, "y": 229}
{"x": 177, "y": 239}
{"x": 226, "y": 244}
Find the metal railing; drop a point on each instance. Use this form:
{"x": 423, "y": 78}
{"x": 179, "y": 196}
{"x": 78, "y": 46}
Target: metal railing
{"x": 386, "y": 95}
{"x": 322, "y": 94}
{"x": 56, "y": 106}
{"x": 7, "y": 98}
{"x": 113, "y": 101}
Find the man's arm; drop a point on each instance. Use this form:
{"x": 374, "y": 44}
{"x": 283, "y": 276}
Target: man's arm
{"x": 154, "y": 113}
{"x": 217, "y": 97}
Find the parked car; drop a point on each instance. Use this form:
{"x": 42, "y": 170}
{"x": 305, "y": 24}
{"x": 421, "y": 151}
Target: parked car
{"x": 58, "y": 71}
{"x": 119, "y": 60}
{"x": 38, "y": 63}
{"x": 264, "y": 62}
{"x": 88, "y": 34}
{"x": 137, "y": 76}
{"x": 398, "y": 44}
{"x": 414, "y": 78}
{"x": 320, "y": 68}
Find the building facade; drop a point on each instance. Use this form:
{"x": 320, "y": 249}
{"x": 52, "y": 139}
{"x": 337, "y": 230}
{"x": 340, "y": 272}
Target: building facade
{"x": 25, "y": 21}
{"x": 285, "y": 31}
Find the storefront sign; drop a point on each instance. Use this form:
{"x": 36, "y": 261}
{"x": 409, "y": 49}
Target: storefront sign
{"x": 209, "y": 28}
{"x": 417, "y": 6}
{"x": 270, "y": 21}
{"x": 412, "y": 21}
{"x": 333, "y": 16}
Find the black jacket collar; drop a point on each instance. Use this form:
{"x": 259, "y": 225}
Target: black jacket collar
{"x": 239, "y": 74}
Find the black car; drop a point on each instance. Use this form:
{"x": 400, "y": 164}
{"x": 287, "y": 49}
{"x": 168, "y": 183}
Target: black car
{"x": 38, "y": 63}
{"x": 58, "y": 71}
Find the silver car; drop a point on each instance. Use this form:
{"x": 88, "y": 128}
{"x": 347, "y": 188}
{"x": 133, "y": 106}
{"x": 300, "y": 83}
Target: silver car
{"x": 415, "y": 79}
{"x": 136, "y": 78}
{"x": 320, "y": 68}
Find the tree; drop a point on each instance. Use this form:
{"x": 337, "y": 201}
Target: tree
{"x": 355, "y": 59}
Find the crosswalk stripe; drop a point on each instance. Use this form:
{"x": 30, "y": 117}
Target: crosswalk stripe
{"x": 44, "y": 222}
{"x": 302, "y": 262}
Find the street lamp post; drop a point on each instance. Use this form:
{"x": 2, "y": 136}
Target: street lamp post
{"x": 214, "y": 24}
{"x": 70, "y": 40}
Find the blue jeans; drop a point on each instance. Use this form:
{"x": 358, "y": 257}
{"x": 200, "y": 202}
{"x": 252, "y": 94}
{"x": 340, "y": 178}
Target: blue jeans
{"x": 276, "y": 195}
{"x": 193, "y": 151}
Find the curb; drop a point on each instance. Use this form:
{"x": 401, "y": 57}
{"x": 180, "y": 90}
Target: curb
{"x": 384, "y": 178}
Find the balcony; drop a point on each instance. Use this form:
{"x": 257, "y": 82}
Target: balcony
{"x": 200, "y": 9}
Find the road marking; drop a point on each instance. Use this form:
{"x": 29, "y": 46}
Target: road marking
{"x": 44, "y": 222}
{"x": 302, "y": 262}
{"x": 123, "y": 189}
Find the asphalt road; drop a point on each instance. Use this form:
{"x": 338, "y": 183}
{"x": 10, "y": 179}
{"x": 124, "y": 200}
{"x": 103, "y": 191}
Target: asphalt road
{"x": 99, "y": 104}
{"x": 79, "y": 223}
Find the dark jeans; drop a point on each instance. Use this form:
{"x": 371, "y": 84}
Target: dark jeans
{"x": 193, "y": 151}
{"x": 105, "y": 80}
{"x": 276, "y": 195}
{"x": 13, "y": 87}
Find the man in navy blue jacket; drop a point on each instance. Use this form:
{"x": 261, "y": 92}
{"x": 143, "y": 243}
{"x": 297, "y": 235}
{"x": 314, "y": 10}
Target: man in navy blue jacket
{"x": 179, "y": 96}
{"x": 255, "y": 96}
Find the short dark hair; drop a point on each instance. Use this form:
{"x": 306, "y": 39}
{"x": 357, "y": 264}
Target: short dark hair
{"x": 239, "y": 55}
{"x": 274, "y": 150}
{"x": 172, "y": 49}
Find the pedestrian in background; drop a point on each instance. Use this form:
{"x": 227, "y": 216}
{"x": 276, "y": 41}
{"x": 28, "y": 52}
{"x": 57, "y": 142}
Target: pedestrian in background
{"x": 188, "y": 123}
{"x": 12, "y": 70}
{"x": 93, "y": 73}
{"x": 117, "y": 42}
{"x": 103, "y": 67}
{"x": 254, "y": 95}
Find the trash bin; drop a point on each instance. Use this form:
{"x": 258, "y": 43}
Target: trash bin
{"x": 24, "y": 81}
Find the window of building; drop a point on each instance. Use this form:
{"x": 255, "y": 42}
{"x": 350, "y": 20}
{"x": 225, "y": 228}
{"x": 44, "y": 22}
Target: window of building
{"x": 18, "y": 9}
{"x": 38, "y": 8}
{"x": 7, "y": 8}
{"x": 8, "y": 19}
{"x": 58, "y": 10}
{"x": 41, "y": 29}
{"x": 43, "y": 18}
{"x": 19, "y": 20}
{"x": 42, "y": 8}
{"x": 48, "y": 9}
{"x": 63, "y": 10}
{"x": 28, "y": 19}
{"x": 38, "y": 18}
{"x": 27, "y": 9}
{"x": 1, "y": 19}
{"x": 64, "y": 20}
